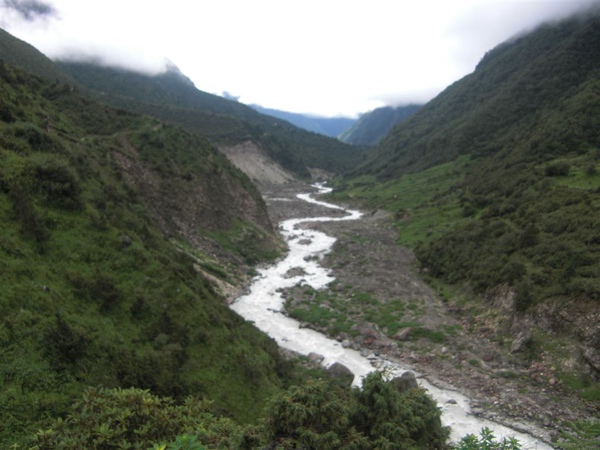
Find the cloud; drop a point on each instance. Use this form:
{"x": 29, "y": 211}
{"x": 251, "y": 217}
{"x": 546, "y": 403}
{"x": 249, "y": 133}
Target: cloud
{"x": 30, "y": 10}
{"x": 328, "y": 58}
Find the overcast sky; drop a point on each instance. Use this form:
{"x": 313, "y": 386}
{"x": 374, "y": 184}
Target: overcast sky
{"x": 326, "y": 57}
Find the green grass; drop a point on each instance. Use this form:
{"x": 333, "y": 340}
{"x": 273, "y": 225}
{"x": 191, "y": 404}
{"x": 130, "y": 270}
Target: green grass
{"x": 337, "y": 310}
{"x": 422, "y": 204}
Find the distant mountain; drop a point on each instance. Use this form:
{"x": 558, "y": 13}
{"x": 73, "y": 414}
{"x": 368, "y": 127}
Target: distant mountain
{"x": 373, "y": 126}
{"x": 328, "y": 126}
{"x": 172, "y": 97}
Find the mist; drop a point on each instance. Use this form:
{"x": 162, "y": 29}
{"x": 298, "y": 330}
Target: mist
{"x": 334, "y": 58}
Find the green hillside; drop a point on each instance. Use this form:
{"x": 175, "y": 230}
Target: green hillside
{"x": 172, "y": 97}
{"x": 19, "y": 53}
{"x": 109, "y": 232}
{"x": 373, "y": 126}
{"x": 496, "y": 185}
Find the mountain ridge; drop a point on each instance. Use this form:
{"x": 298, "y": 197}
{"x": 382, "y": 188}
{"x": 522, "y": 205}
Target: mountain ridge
{"x": 328, "y": 126}
{"x": 373, "y": 126}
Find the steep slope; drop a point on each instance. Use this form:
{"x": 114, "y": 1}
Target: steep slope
{"x": 514, "y": 88}
{"x": 495, "y": 183}
{"x": 173, "y": 98}
{"x": 19, "y": 53}
{"x": 328, "y": 126}
{"x": 114, "y": 227}
{"x": 373, "y": 126}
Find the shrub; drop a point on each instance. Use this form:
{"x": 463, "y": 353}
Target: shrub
{"x": 557, "y": 169}
{"x": 487, "y": 441}
{"x": 134, "y": 418}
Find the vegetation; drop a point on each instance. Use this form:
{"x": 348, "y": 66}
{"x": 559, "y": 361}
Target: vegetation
{"x": 495, "y": 185}
{"x": 337, "y": 309}
{"x": 519, "y": 206}
{"x": 317, "y": 415}
{"x": 487, "y": 441}
{"x": 173, "y": 98}
{"x": 92, "y": 290}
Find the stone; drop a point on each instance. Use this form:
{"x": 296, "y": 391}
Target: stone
{"x": 405, "y": 382}
{"x": 521, "y": 342}
{"x": 316, "y": 357}
{"x": 403, "y": 334}
{"x": 346, "y": 343}
{"x": 340, "y": 373}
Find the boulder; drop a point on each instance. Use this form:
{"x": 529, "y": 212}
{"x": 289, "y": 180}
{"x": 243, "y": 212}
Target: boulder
{"x": 316, "y": 357}
{"x": 405, "y": 382}
{"x": 341, "y": 374}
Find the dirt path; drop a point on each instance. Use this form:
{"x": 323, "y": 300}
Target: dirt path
{"x": 379, "y": 304}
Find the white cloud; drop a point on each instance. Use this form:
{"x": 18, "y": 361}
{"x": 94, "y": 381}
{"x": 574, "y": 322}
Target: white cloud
{"x": 326, "y": 57}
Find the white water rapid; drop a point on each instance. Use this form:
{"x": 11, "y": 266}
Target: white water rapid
{"x": 263, "y": 305}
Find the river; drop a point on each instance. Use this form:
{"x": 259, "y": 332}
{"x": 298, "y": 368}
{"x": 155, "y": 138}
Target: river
{"x": 263, "y": 304}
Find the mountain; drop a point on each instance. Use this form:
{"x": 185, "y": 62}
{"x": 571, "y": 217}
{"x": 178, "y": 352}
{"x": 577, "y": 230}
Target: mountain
{"x": 19, "y": 53}
{"x": 173, "y": 98}
{"x": 119, "y": 233}
{"x": 373, "y": 126}
{"x": 328, "y": 126}
{"x": 496, "y": 185}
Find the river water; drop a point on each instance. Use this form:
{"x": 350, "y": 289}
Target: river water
{"x": 263, "y": 304}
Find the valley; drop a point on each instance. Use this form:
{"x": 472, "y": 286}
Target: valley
{"x": 135, "y": 208}
{"x": 379, "y": 306}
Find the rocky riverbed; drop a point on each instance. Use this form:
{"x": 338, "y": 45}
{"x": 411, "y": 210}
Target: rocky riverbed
{"x": 380, "y": 304}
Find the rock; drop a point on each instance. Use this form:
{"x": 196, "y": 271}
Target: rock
{"x": 405, "y": 382}
{"x": 294, "y": 272}
{"x": 521, "y": 342}
{"x": 340, "y": 373}
{"x": 488, "y": 357}
{"x": 346, "y": 343}
{"x": 403, "y": 334}
{"x": 126, "y": 240}
{"x": 592, "y": 356}
{"x": 316, "y": 357}
{"x": 451, "y": 402}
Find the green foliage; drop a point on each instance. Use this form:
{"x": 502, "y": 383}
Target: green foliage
{"x": 397, "y": 420}
{"x": 92, "y": 290}
{"x": 487, "y": 441}
{"x": 493, "y": 182}
{"x": 134, "y": 418}
{"x": 583, "y": 435}
{"x": 321, "y": 416}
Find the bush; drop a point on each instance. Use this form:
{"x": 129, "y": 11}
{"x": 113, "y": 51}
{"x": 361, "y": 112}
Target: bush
{"x": 134, "y": 418}
{"x": 487, "y": 441}
{"x": 322, "y": 416}
{"x": 557, "y": 169}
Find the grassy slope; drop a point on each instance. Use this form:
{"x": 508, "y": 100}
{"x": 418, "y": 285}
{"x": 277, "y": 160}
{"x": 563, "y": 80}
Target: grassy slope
{"x": 91, "y": 292}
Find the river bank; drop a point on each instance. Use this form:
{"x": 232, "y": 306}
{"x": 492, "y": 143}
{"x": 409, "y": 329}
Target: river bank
{"x": 371, "y": 273}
